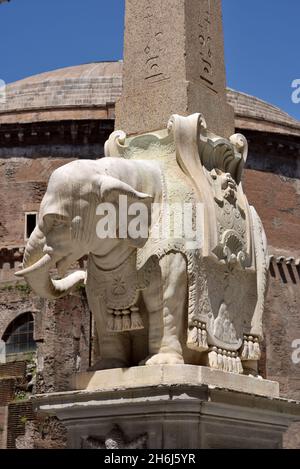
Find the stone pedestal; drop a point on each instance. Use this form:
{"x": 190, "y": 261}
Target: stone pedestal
{"x": 171, "y": 407}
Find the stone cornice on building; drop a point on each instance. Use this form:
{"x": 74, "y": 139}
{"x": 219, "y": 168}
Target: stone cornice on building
{"x": 285, "y": 268}
{"x": 57, "y": 132}
{"x": 267, "y": 145}
{"x": 58, "y": 114}
{"x": 284, "y": 260}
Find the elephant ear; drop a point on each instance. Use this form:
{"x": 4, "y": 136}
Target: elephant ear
{"x": 111, "y": 188}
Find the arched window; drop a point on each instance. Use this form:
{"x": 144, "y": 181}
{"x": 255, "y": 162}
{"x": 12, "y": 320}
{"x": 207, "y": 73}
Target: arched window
{"x": 19, "y": 335}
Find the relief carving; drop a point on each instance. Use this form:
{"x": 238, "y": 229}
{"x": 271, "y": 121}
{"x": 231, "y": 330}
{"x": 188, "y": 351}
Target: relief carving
{"x": 206, "y": 45}
{"x": 114, "y": 440}
{"x": 120, "y": 289}
{"x": 154, "y": 48}
{"x": 230, "y": 219}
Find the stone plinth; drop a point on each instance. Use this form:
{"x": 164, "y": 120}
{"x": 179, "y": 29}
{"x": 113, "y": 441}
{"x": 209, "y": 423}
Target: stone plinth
{"x": 168, "y": 375}
{"x": 171, "y": 408}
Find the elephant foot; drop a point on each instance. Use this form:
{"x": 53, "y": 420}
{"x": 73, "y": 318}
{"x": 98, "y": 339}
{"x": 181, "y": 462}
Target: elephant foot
{"x": 108, "y": 364}
{"x": 165, "y": 359}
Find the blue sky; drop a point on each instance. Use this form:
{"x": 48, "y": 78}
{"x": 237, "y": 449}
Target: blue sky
{"x": 262, "y": 43}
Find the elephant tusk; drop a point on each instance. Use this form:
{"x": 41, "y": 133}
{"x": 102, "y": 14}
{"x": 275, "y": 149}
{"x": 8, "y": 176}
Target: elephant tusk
{"x": 68, "y": 282}
{"x": 45, "y": 260}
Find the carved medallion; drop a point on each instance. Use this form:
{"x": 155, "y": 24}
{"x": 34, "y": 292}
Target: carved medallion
{"x": 114, "y": 440}
{"x": 231, "y": 219}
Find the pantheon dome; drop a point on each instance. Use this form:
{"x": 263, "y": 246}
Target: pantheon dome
{"x": 90, "y": 91}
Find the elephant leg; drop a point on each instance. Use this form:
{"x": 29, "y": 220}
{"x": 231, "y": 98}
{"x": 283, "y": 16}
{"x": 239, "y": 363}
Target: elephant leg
{"x": 114, "y": 348}
{"x": 165, "y": 300}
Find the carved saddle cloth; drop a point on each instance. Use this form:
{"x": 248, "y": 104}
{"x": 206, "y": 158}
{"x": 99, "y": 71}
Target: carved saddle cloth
{"x": 120, "y": 290}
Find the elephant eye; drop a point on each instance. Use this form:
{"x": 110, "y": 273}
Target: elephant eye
{"x": 57, "y": 222}
{"x": 51, "y": 221}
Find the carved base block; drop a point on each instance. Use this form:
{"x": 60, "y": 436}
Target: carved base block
{"x": 169, "y": 375}
{"x": 123, "y": 409}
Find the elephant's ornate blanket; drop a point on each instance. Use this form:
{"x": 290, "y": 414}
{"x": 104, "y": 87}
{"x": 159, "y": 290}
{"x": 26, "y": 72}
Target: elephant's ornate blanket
{"x": 227, "y": 261}
{"x": 120, "y": 290}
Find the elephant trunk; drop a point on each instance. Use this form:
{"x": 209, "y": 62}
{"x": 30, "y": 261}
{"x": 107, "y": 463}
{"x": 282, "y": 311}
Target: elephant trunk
{"x": 36, "y": 270}
{"x": 34, "y": 249}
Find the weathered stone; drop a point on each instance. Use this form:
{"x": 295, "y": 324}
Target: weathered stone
{"x": 3, "y": 426}
{"x": 166, "y": 375}
{"x": 173, "y": 64}
{"x": 172, "y": 417}
{"x": 43, "y": 433}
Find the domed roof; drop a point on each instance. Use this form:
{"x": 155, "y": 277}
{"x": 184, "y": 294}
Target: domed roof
{"x": 90, "y": 91}
{"x": 52, "y": 95}
{"x": 254, "y": 113}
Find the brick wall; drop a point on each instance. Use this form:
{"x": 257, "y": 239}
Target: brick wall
{"x": 272, "y": 184}
{"x": 282, "y": 327}
{"x": 43, "y": 433}
{"x": 277, "y": 201}
{"x": 7, "y": 390}
{"x": 11, "y": 375}
{"x": 64, "y": 342}
{"x": 29, "y": 153}
{"x": 13, "y": 370}
{"x": 19, "y": 413}
{"x": 23, "y": 183}
{"x": 3, "y": 426}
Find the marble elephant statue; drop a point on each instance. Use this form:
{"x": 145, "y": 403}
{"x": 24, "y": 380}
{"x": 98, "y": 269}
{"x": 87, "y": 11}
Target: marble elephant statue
{"x": 159, "y": 296}
{"x": 67, "y": 231}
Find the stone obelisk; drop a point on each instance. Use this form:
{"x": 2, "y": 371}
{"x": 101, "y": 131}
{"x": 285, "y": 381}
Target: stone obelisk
{"x": 173, "y": 64}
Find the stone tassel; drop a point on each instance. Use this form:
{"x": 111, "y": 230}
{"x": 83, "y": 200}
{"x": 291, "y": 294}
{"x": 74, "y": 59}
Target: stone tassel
{"x": 229, "y": 359}
{"x": 199, "y": 332}
{"x": 220, "y": 359}
{"x": 257, "y": 351}
{"x": 193, "y": 336}
{"x": 224, "y": 358}
{"x": 213, "y": 358}
{"x": 136, "y": 320}
{"x": 234, "y": 363}
{"x": 204, "y": 337}
{"x": 245, "y": 352}
{"x": 118, "y": 321}
{"x": 251, "y": 348}
{"x": 126, "y": 320}
{"x": 239, "y": 365}
{"x": 110, "y": 321}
